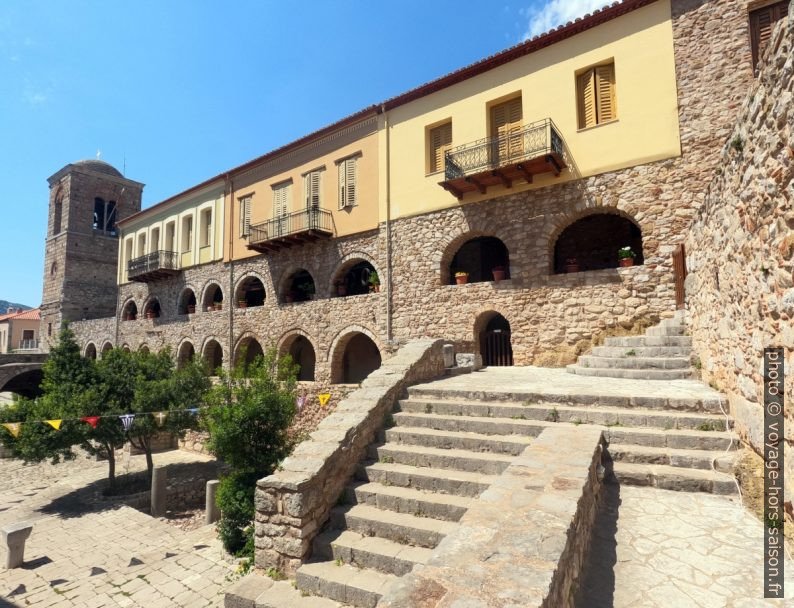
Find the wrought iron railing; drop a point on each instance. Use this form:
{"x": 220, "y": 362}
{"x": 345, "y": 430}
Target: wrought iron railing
{"x": 281, "y": 226}
{"x": 156, "y": 260}
{"x": 536, "y": 139}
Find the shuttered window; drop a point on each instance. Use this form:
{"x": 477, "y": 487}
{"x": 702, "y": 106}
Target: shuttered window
{"x": 440, "y": 141}
{"x": 245, "y": 216}
{"x": 348, "y": 191}
{"x": 595, "y": 91}
{"x": 506, "y": 125}
{"x": 280, "y": 199}
{"x": 762, "y": 22}
{"x": 311, "y": 188}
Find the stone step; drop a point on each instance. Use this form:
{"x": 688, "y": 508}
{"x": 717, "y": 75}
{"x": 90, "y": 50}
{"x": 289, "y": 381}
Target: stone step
{"x": 666, "y": 330}
{"x": 282, "y": 594}
{"x": 634, "y": 362}
{"x": 607, "y": 416}
{"x": 474, "y": 424}
{"x": 371, "y": 552}
{"x": 507, "y": 444}
{"x": 408, "y": 500}
{"x": 668, "y": 477}
{"x": 642, "y": 351}
{"x": 683, "y": 458}
{"x": 445, "y": 481}
{"x": 636, "y": 374}
{"x": 399, "y": 527}
{"x": 458, "y": 370}
{"x": 630, "y": 341}
{"x": 680, "y": 439}
{"x": 423, "y": 456}
{"x": 360, "y": 587}
{"x": 673, "y": 322}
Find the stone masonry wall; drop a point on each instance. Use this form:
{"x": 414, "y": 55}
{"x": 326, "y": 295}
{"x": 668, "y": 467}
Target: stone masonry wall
{"x": 740, "y": 250}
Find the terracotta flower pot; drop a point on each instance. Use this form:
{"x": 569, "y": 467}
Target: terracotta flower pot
{"x": 626, "y": 262}
{"x": 150, "y": 315}
{"x": 462, "y": 279}
{"x": 191, "y": 309}
{"x": 499, "y": 275}
{"x": 242, "y": 304}
{"x": 572, "y": 268}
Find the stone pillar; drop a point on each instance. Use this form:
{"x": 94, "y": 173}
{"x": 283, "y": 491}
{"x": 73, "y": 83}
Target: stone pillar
{"x": 212, "y": 513}
{"x": 14, "y": 537}
{"x": 448, "y": 350}
{"x": 159, "y": 479}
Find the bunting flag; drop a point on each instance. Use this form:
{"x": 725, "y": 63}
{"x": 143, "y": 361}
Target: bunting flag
{"x": 299, "y": 401}
{"x": 56, "y": 424}
{"x": 92, "y": 420}
{"x": 323, "y": 398}
{"x": 126, "y": 420}
{"x": 13, "y": 427}
{"x": 160, "y": 417}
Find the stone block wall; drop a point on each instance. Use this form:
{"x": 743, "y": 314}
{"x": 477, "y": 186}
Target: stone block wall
{"x": 740, "y": 250}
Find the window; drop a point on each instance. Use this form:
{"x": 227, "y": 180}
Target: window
{"x": 205, "y": 223}
{"x": 57, "y": 214}
{"x": 311, "y": 189}
{"x": 155, "y": 240}
{"x": 281, "y": 199}
{"x": 762, "y": 22}
{"x": 245, "y": 215}
{"x": 105, "y": 216}
{"x": 347, "y": 183}
{"x": 595, "y": 95}
{"x": 127, "y": 254}
{"x": 440, "y": 140}
{"x": 187, "y": 234}
{"x": 141, "y": 244}
{"x": 170, "y": 231}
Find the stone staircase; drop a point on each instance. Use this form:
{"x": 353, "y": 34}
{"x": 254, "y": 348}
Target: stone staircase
{"x": 663, "y": 353}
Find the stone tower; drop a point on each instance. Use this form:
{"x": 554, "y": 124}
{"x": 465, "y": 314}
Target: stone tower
{"x": 87, "y": 199}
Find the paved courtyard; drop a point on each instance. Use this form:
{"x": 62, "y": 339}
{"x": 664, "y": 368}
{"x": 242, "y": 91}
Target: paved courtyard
{"x": 87, "y": 555}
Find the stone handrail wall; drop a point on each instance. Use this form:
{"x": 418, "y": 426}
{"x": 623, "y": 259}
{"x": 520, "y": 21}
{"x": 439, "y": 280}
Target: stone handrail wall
{"x": 524, "y": 541}
{"x": 293, "y": 503}
{"x": 740, "y": 250}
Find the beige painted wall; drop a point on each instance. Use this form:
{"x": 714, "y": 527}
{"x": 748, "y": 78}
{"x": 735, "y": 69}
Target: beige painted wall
{"x": 11, "y": 332}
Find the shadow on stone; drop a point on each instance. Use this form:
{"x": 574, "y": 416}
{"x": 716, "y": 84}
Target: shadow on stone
{"x": 58, "y": 581}
{"x": 96, "y": 570}
{"x": 35, "y": 563}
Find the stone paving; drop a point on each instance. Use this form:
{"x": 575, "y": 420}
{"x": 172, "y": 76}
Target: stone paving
{"x": 88, "y": 555}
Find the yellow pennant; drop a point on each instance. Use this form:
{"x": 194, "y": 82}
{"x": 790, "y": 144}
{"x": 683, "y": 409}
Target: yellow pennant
{"x": 13, "y": 427}
{"x": 56, "y": 424}
{"x": 323, "y": 398}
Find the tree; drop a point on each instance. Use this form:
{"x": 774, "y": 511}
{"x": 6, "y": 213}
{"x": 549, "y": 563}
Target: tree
{"x": 248, "y": 419}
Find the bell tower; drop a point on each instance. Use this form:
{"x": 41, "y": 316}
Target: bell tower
{"x": 87, "y": 199}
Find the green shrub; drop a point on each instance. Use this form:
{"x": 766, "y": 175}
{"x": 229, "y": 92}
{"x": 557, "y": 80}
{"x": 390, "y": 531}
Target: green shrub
{"x": 235, "y": 499}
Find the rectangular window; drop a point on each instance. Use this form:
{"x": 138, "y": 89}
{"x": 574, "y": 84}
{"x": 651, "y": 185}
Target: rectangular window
{"x": 187, "y": 234}
{"x": 439, "y": 141}
{"x": 245, "y": 216}
{"x": 28, "y": 334}
{"x": 205, "y": 230}
{"x": 281, "y": 199}
{"x": 595, "y": 95}
{"x": 141, "y": 245}
{"x": 506, "y": 122}
{"x": 311, "y": 189}
{"x": 155, "y": 240}
{"x": 170, "y": 233}
{"x": 348, "y": 192}
{"x": 762, "y": 22}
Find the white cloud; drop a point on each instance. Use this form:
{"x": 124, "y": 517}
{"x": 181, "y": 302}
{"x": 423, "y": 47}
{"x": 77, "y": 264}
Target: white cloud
{"x": 557, "y": 12}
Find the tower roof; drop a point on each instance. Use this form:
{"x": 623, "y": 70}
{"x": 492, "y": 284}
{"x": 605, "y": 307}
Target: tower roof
{"x": 99, "y": 166}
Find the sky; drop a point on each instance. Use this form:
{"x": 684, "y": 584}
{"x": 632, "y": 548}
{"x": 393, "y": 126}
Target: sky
{"x": 172, "y": 93}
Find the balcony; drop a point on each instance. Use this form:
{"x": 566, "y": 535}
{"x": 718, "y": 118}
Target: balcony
{"x": 500, "y": 160}
{"x": 295, "y": 228}
{"x": 153, "y": 266}
{"x": 27, "y": 345}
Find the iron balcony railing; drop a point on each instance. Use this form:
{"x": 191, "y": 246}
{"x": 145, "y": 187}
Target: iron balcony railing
{"x": 28, "y": 344}
{"x": 532, "y": 141}
{"x": 293, "y": 223}
{"x": 152, "y": 262}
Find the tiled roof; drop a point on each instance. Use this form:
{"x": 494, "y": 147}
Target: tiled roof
{"x": 33, "y": 314}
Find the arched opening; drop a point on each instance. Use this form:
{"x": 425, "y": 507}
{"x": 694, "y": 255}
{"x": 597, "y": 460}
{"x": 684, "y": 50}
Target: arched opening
{"x": 90, "y": 351}
{"x": 152, "y": 309}
{"x": 130, "y": 311}
{"x": 355, "y": 278}
{"x": 250, "y": 292}
{"x": 187, "y": 302}
{"x": 143, "y": 349}
{"x": 302, "y": 353}
{"x": 359, "y": 357}
{"x": 481, "y": 259}
{"x": 594, "y": 241}
{"x": 126, "y": 348}
{"x": 106, "y": 348}
{"x": 492, "y": 332}
{"x": 247, "y": 351}
{"x": 299, "y": 287}
{"x": 26, "y": 384}
{"x": 57, "y": 213}
{"x": 213, "y": 297}
{"x": 185, "y": 354}
{"x": 213, "y": 355}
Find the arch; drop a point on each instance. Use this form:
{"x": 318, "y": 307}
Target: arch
{"x": 143, "y": 348}
{"x": 151, "y": 309}
{"x": 126, "y": 348}
{"x": 24, "y": 381}
{"x": 213, "y": 297}
{"x": 247, "y": 350}
{"x": 301, "y": 349}
{"x": 90, "y": 351}
{"x": 184, "y": 353}
{"x": 212, "y": 352}
{"x": 480, "y": 257}
{"x": 493, "y": 339}
{"x": 356, "y": 275}
{"x": 106, "y": 347}
{"x": 250, "y": 292}
{"x": 298, "y": 286}
{"x": 129, "y": 311}
{"x": 592, "y": 242}
{"x": 354, "y": 355}
{"x": 187, "y": 302}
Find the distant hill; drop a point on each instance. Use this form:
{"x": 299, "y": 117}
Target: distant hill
{"x": 4, "y": 306}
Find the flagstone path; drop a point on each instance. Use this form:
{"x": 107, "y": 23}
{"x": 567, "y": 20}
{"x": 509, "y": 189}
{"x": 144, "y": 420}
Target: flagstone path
{"x": 88, "y": 555}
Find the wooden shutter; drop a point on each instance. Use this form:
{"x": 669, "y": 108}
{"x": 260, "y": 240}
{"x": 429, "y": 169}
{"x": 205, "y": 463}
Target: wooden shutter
{"x": 312, "y": 188}
{"x": 505, "y": 124}
{"x": 245, "y": 216}
{"x": 762, "y": 22}
{"x": 280, "y": 200}
{"x": 587, "y": 99}
{"x": 347, "y": 183}
{"x": 440, "y": 142}
{"x": 605, "y": 92}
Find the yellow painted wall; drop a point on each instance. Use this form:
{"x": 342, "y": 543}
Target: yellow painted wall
{"x": 12, "y": 331}
{"x": 363, "y": 216}
{"x": 646, "y": 129}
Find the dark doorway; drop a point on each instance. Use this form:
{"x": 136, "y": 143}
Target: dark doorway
{"x": 479, "y": 257}
{"x": 360, "y": 359}
{"x": 495, "y": 346}
{"x": 593, "y": 242}
{"x": 302, "y": 353}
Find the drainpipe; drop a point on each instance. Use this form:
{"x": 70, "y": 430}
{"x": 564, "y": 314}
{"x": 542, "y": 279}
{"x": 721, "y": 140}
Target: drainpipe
{"x": 389, "y": 332}
{"x": 230, "y": 296}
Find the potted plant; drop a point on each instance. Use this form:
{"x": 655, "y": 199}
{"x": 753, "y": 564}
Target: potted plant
{"x": 626, "y": 257}
{"x": 150, "y": 314}
{"x": 129, "y": 317}
{"x": 242, "y": 304}
{"x": 374, "y": 282}
{"x": 217, "y": 306}
{"x": 461, "y": 278}
{"x": 191, "y": 309}
{"x": 571, "y": 265}
{"x": 341, "y": 288}
{"x": 499, "y": 273}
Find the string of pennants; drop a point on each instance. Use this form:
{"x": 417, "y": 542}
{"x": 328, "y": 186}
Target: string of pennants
{"x": 127, "y": 419}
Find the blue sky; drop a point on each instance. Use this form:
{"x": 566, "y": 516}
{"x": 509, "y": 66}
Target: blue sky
{"x": 182, "y": 90}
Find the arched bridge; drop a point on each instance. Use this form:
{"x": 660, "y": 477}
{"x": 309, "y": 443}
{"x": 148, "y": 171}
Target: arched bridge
{"x": 21, "y": 373}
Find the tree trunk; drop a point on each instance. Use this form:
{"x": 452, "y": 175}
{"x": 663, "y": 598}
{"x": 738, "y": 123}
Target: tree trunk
{"x": 111, "y": 467}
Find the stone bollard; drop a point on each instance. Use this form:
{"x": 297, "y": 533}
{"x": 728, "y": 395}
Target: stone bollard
{"x": 159, "y": 479}
{"x": 14, "y": 537}
{"x": 212, "y": 513}
{"x": 448, "y": 350}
